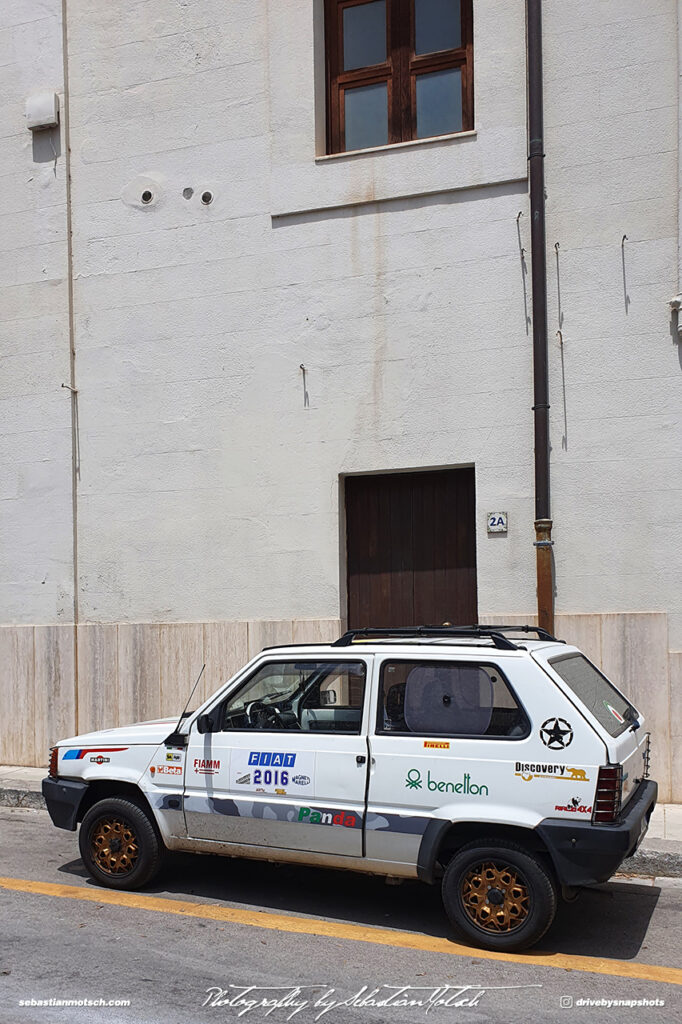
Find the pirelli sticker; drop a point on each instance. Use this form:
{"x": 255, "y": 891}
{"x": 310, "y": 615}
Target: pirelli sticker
{"x": 436, "y": 745}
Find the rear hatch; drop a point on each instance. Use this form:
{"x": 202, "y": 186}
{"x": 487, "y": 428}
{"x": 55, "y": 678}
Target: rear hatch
{"x": 614, "y": 717}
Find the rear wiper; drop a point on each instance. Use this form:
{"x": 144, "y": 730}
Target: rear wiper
{"x": 630, "y": 715}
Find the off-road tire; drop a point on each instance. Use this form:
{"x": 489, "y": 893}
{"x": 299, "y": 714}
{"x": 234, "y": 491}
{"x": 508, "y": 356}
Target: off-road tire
{"x": 499, "y": 895}
{"x": 120, "y": 843}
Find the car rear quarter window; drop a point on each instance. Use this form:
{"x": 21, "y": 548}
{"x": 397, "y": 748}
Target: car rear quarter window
{"x": 593, "y": 689}
{"x": 439, "y": 698}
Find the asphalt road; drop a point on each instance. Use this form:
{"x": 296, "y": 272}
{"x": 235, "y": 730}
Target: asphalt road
{"x": 242, "y": 934}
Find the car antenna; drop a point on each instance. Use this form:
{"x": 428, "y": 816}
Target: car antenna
{"x": 180, "y": 738}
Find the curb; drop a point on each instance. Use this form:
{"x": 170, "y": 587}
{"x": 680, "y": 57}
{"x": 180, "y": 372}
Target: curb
{"x": 22, "y": 798}
{"x": 659, "y": 858}
{"x": 656, "y": 858}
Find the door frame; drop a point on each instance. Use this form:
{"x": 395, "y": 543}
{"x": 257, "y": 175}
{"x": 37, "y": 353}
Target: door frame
{"x": 344, "y": 596}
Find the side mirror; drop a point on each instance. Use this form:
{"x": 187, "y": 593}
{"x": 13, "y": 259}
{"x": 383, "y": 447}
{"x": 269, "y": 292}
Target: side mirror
{"x": 327, "y": 697}
{"x": 205, "y": 723}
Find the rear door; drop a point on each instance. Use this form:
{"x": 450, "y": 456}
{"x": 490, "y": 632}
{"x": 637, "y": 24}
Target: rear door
{"x": 448, "y": 732}
{"x": 288, "y": 766}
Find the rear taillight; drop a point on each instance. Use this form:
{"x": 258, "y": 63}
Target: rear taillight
{"x": 609, "y": 791}
{"x": 54, "y": 755}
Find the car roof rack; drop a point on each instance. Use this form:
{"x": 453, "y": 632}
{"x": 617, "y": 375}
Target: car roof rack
{"x": 402, "y": 633}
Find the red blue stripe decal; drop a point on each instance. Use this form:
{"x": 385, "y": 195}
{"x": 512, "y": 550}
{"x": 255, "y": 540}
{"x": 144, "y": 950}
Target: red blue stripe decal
{"x": 78, "y": 755}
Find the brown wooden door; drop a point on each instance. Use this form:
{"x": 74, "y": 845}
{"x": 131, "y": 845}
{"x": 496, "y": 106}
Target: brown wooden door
{"x": 411, "y": 549}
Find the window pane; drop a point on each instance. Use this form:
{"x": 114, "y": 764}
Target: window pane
{"x": 448, "y": 699}
{"x": 364, "y": 35}
{"x": 439, "y": 103}
{"x": 437, "y": 24}
{"x": 366, "y": 116}
{"x": 299, "y": 696}
{"x": 595, "y": 691}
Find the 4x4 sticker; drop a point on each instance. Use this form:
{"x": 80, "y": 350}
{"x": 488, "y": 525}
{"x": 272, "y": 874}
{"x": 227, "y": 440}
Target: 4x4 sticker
{"x": 575, "y": 807}
{"x": 534, "y": 770}
{"x": 414, "y": 781}
{"x": 556, "y": 733}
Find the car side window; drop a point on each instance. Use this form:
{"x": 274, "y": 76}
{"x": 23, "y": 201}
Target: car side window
{"x": 439, "y": 698}
{"x": 295, "y": 696}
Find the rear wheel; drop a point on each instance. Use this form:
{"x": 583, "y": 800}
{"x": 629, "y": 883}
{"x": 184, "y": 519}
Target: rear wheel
{"x": 499, "y": 895}
{"x": 120, "y": 844}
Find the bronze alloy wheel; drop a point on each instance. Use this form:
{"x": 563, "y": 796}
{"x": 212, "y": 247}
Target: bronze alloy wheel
{"x": 114, "y": 846}
{"x": 495, "y": 896}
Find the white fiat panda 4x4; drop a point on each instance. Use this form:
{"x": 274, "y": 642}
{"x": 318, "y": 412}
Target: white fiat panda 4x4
{"x": 510, "y": 770}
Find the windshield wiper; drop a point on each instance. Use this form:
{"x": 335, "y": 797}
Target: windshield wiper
{"x": 630, "y": 715}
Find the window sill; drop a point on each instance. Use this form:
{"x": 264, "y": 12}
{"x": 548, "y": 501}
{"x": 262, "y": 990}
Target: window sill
{"x": 396, "y": 145}
{"x": 303, "y": 184}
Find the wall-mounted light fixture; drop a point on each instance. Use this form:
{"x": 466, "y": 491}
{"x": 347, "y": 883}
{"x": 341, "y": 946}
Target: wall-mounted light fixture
{"x": 42, "y": 110}
{"x": 676, "y": 305}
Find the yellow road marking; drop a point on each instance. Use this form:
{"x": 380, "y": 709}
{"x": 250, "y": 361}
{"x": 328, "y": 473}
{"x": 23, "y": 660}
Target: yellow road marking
{"x": 338, "y": 930}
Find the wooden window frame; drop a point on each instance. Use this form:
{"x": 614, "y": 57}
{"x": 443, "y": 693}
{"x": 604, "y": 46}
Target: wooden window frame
{"x": 399, "y": 71}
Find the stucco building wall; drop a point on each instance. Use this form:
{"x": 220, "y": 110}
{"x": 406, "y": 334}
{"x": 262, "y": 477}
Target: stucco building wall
{"x": 209, "y": 491}
{"x": 36, "y": 535}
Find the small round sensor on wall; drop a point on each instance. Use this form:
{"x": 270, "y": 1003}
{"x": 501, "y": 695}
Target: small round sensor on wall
{"x": 207, "y": 198}
{"x": 187, "y": 193}
{"x": 147, "y": 196}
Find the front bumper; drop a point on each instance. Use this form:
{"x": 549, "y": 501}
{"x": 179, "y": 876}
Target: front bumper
{"x": 63, "y": 798}
{"x": 584, "y": 853}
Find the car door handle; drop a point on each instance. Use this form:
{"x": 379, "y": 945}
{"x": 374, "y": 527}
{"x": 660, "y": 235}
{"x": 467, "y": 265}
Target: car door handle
{"x": 360, "y": 759}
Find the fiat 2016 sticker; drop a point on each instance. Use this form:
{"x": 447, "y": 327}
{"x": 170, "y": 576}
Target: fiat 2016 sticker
{"x": 272, "y": 771}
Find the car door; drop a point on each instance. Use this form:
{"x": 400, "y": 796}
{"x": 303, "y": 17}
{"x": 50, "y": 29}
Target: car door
{"x": 287, "y": 766}
{"x": 446, "y": 733}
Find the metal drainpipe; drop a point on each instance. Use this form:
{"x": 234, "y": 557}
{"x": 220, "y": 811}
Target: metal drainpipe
{"x": 536, "y": 156}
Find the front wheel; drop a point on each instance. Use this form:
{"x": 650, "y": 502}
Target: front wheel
{"x": 499, "y": 895}
{"x": 120, "y": 844}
